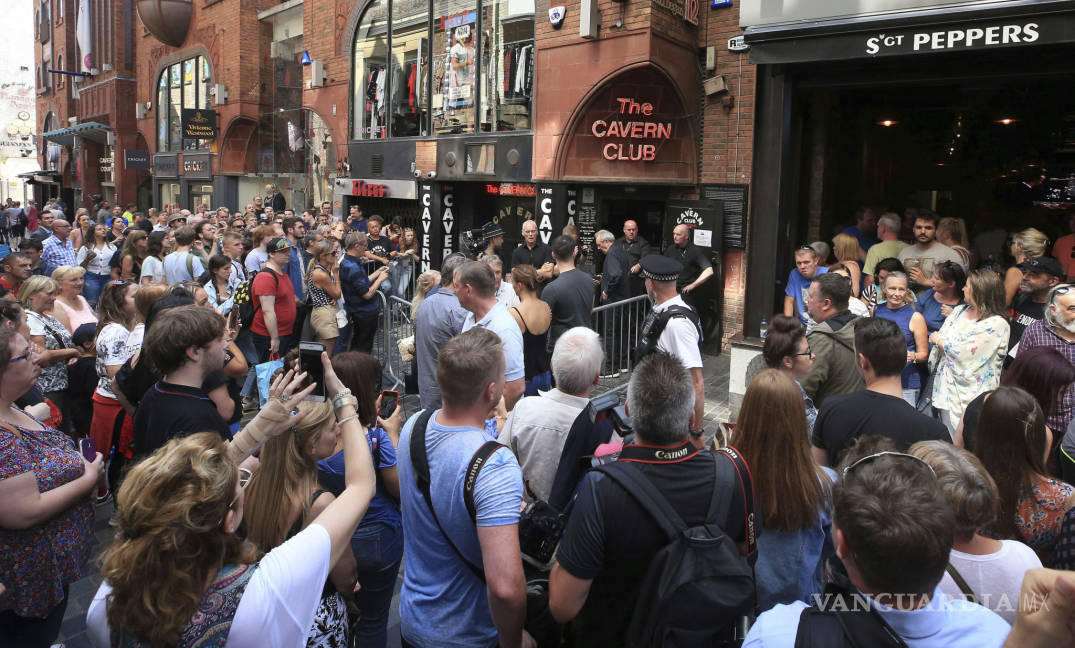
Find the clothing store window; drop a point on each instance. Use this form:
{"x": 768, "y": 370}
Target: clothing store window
{"x": 370, "y": 119}
{"x": 507, "y": 77}
{"x": 181, "y": 85}
{"x": 410, "y": 60}
{"x": 455, "y": 65}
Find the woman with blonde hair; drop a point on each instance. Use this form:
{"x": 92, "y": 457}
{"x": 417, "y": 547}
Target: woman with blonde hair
{"x": 427, "y": 281}
{"x": 71, "y": 308}
{"x": 1026, "y": 245}
{"x": 37, "y": 297}
{"x": 534, "y": 318}
{"x": 991, "y": 569}
{"x": 953, "y": 233}
{"x": 284, "y": 497}
{"x": 177, "y": 573}
{"x": 794, "y": 493}
{"x": 846, "y": 249}
{"x": 968, "y": 350}
{"x": 323, "y": 291}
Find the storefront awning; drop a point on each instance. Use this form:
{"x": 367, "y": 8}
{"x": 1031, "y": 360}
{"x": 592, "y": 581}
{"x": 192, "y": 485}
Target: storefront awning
{"x": 66, "y": 136}
{"x": 986, "y": 26}
{"x": 41, "y": 176}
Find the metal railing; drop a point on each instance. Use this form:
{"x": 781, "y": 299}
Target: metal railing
{"x": 397, "y": 326}
{"x": 620, "y": 326}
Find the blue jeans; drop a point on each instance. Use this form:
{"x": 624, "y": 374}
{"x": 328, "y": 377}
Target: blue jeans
{"x": 94, "y": 286}
{"x": 378, "y": 550}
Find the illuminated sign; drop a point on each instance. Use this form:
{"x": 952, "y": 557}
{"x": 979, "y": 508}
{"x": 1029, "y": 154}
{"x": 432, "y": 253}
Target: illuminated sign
{"x": 510, "y": 189}
{"x": 633, "y": 129}
{"x": 360, "y": 188}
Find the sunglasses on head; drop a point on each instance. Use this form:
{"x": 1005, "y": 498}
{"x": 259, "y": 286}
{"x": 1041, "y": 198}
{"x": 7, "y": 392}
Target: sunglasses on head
{"x": 883, "y": 453}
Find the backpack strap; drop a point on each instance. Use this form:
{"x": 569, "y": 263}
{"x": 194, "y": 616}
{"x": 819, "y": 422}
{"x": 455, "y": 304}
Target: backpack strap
{"x": 647, "y": 495}
{"x": 420, "y": 464}
{"x": 961, "y": 582}
{"x": 190, "y": 264}
{"x": 851, "y": 626}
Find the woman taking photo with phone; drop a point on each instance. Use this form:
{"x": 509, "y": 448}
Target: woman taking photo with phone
{"x": 46, "y": 509}
{"x": 378, "y": 542}
{"x": 176, "y": 572}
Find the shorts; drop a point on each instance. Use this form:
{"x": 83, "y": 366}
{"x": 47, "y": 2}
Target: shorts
{"x": 323, "y": 322}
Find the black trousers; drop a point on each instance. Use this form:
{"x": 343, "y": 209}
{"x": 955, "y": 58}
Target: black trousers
{"x": 30, "y": 632}
{"x": 365, "y": 328}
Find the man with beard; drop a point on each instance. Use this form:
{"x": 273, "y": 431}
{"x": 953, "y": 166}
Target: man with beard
{"x": 920, "y": 258}
{"x": 1039, "y": 276}
{"x": 1056, "y": 330}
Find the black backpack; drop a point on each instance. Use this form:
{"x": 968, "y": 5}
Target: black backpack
{"x": 655, "y": 324}
{"x": 849, "y": 623}
{"x": 243, "y": 303}
{"x": 698, "y": 587}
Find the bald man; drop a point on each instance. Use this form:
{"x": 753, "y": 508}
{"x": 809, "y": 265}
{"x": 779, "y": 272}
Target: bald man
{"x": 696, "y": 271}
{"x": 636, "y": 247}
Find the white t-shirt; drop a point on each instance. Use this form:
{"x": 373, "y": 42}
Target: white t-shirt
{"x": 98, "y": 265}
{"x": 994, "y": 578}
{"x": 111, "y": 352}
{"x": 153, "y": 268}
{"x": 680, "y": 336}
{"x": 134, "y": 339}
{"x": 276, "y": 609}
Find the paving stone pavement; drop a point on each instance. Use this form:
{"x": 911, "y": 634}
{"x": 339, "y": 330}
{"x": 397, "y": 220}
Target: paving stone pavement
{"x": 73, "y": 631}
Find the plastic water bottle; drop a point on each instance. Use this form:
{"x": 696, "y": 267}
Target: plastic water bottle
{"x": 764, "y": 328}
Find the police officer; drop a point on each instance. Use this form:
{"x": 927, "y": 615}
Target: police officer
{"x": 673, "y": 327}
{"x": 636, "y": 247}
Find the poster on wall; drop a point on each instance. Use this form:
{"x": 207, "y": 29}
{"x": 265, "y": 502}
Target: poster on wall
{"x": 587, "y": 224}
{"x": 459, "y": 89}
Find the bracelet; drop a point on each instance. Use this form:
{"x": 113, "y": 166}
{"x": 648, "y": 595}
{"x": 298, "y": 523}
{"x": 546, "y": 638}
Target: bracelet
{"x": 341, "y": 393}
{"x": 344, "y": 401}
{"x": 346, "y": 419}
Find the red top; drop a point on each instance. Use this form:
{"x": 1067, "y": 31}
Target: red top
{"x": 285, "y": 301}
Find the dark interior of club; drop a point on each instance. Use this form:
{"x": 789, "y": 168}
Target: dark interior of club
{"x": 959, "y": 134}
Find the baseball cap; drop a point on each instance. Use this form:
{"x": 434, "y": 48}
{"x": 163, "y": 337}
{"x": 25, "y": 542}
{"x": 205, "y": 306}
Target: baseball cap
{"x": 1047, "y": 265}
{"x": 278, "y": 244}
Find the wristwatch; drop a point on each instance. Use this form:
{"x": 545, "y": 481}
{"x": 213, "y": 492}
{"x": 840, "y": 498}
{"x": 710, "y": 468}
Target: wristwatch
{"x": 697, "y": 433}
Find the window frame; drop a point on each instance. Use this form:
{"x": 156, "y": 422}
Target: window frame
{"x": 164, "y": 111}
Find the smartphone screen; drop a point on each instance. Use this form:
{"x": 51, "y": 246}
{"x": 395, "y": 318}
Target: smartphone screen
{"x": 389, "y": 400}
{"x": 310, "y": 362}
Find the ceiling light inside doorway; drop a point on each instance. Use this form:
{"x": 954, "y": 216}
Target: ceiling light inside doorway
{"x": 887, "y": 122}
{"x": 1007, "y": 121}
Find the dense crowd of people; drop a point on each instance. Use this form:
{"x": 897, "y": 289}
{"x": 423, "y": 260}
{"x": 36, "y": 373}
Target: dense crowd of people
{"x": 897, "y": 475}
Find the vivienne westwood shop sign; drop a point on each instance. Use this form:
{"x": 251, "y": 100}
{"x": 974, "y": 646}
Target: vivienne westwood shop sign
{"x": 634, "y": 132}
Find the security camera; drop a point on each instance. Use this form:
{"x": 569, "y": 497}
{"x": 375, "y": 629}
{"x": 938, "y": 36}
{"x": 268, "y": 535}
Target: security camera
{"x": 417, "y": 173}
{"x": 431, "y": 174}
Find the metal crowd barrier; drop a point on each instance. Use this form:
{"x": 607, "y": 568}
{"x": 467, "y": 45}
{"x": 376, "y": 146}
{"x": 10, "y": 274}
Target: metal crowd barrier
{"x": 396, "y": 326}
{"x": 620, "y": 326}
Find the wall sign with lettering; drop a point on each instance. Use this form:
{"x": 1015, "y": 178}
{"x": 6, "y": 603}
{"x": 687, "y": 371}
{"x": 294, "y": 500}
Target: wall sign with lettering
{"x": 198, "y": 123}
{"x": 632, "y": 125}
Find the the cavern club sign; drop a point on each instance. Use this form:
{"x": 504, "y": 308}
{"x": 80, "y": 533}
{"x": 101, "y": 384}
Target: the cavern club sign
{"x": 633, "y": 133}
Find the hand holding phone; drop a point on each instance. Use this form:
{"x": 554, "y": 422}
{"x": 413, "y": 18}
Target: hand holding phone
{"x": 310, "y": 362}
{"x": 88, "y": 448}
{"x": 389, "y": 402}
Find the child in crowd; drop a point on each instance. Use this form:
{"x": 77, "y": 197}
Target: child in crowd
{"x": 82, "y": 377}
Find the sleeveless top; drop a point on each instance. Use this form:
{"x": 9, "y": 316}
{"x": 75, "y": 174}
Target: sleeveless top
{"x": 317, "y": 296}
{"x": 80, "y": 316}
{"x": 910, "y": 378}
{"x": 535, "y": 358}
{"x": 210, "y": 625}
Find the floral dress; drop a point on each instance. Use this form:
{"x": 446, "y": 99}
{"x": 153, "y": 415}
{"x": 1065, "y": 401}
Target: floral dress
{"x": 1040, "y": 516}
{"x": 53, "y": 377}
{"x": 40, "y": 561}
{"x": 971, "y": 359}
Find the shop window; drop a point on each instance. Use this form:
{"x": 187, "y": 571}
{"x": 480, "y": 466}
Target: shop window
{"x": 410, "y": 60}
{"x": 181, "y": 85}
{"x": 455, "y": 65}
{"x": 370, "y": 61}
{"x": 507, "y": 64}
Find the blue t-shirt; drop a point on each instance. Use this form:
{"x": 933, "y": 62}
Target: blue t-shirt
{"x": 442, "y": 602}
{"x": 943, "y": 622}
{"x": 866, "y": 241}
{"x": 931, "y": 310}
{"x": 354, "y": 283}
{"x": 797, "y": 287}
{"x": 382, "y": 507}
{"x": 499, "y": 321}
{"x": 295, "y": 272}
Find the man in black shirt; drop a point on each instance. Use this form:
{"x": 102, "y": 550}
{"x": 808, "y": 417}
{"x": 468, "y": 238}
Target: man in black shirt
{"x": 610, "y": 539}
{"x": 378, "y": 248}
{"x": 533, "y": 252}
{"x": 696, "y": 267}
{"x": 570, "y": 295}
{"x": 636, "y": 247}
{"x": 881, "y": 354}
{"x": 186, "y": 346}
{"x": 1040, "y": 275}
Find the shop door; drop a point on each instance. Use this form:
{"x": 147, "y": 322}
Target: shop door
{"x": 200, "y": 195}
{"x": 647, "y": 213}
